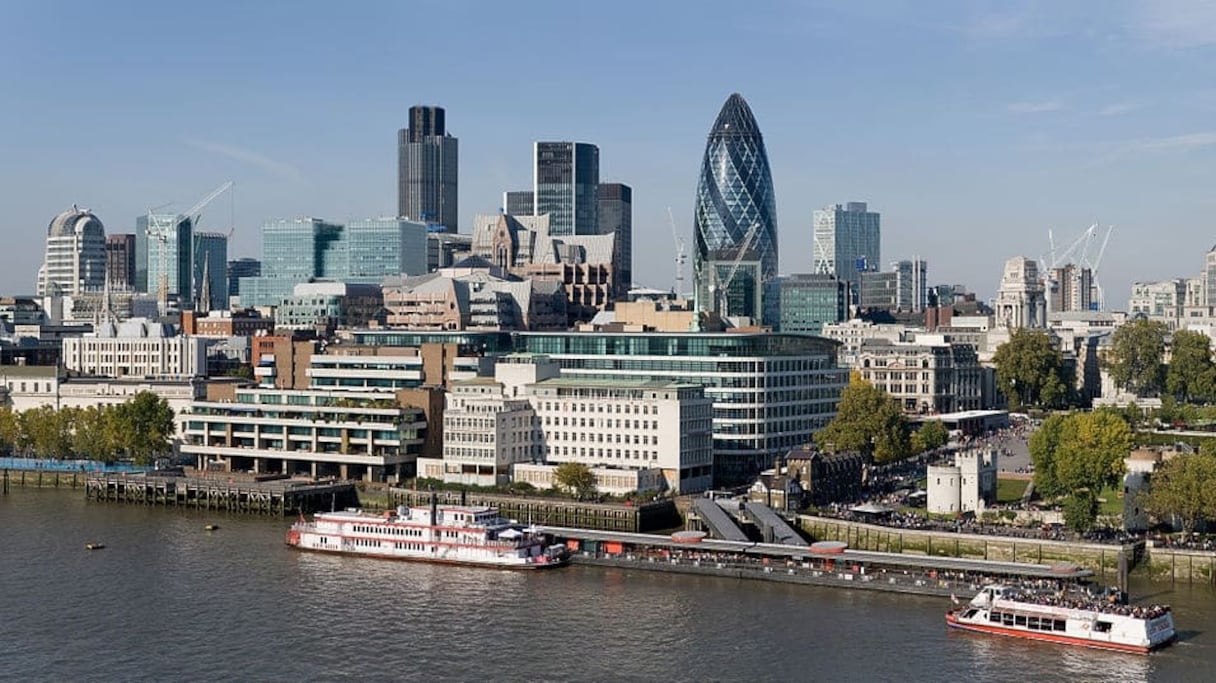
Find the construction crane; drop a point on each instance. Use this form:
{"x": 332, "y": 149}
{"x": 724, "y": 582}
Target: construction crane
{"x": 723, "y": 287}
{"x": 194, "y": 215}
{"x": 161, "y": 228}
{"x": 681, "y": 256}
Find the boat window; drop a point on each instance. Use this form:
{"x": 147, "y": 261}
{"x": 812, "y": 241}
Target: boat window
{"x": 1007, "y": 619}
{"x": 969, "y": 613}
{"x": 994, "y": 617}
{"x": 1102, "y": 626}
{"x": 1032, "y": 623}
{"x": 1057, "y": 625}
{"x": 1020, "y": 620}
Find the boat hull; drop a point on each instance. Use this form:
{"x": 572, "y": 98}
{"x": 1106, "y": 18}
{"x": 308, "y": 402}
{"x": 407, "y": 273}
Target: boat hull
{"x": 953, "y": 621}
{"x": 513, "y": 566}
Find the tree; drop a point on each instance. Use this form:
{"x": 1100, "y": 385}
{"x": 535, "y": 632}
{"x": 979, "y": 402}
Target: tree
{"x": 869, "y": 421}
{"x": 1043, "y": 445}
{"x": 95, "y": 436}
{"x": 1080, "y": 510}
{"x": 145, "y": 425}
{"x": 1091, "y": 451}
{"x": 932, "y": 434}
{"x": 10, "y": 430}
{"x": 1135, "y": 359}
{"x": 576, "y": 477}
{"x": 1190, "y": 374}
{"x": 1030, "y": 371}
{"x": 1184, "y": 487}
{"x": 241, "y": 371}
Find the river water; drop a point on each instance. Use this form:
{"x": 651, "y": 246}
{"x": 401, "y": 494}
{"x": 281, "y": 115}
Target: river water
{"x": 167, "y": 600}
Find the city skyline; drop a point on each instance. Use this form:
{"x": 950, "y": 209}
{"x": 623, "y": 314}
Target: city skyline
{"x": 1007, "y": 121}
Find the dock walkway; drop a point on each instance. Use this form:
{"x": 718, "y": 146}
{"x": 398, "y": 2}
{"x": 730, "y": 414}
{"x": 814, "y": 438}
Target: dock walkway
{"x": 277, "y": 497}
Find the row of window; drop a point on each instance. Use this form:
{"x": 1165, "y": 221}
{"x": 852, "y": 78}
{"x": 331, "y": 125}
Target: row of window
{"x": 1033, "y": 623}
{"x": 600, "y": 437}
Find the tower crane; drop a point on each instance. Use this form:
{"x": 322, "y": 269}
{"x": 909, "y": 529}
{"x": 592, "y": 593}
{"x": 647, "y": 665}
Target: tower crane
{"x": 681, "y": 256}
{"x": 160, "y": 228}
{"x": 723, "y": 287}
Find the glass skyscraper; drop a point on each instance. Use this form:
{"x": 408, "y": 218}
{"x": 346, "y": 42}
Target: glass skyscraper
{"x": 427, "y": 169}
{"x": 172, "y": 234}
{"x": 735, "y": 193}
{"x": 616, "y": 217}
{"x": 846, "y": 242}
{"x": 566, "y": 179}
{"x": 210, "y": 267}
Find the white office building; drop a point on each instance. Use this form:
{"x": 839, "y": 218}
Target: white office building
{"x": 75, "y": 260}
{"x": 136, "y": 348}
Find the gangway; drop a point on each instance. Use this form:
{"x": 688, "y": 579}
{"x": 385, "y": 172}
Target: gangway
{"x": 716, "y": 521}
{"x": 772, "y": 527}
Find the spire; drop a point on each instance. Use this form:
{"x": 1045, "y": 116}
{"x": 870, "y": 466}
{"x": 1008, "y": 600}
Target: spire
{"x": 204, "y": 296}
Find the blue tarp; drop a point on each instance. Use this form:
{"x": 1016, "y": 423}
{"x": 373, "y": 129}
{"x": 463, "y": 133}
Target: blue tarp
{"x": 51, "y": 465}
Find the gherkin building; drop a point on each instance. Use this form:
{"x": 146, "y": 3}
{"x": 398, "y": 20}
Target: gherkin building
{"x": 734, "y": 196}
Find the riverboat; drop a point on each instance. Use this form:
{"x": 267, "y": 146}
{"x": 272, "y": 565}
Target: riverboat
{"x": 1066, "y": 617}
{"x": 454, "y": 534}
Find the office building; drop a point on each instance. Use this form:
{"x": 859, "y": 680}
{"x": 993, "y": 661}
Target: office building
{"x": 163, "y": 248}
{"x": 210, "y": 271}
{"x": 806, "y": 301}
{"x": 1070, "y": 288}
{"x": 566, "y": 178}
{"x": 326, "y": 306}
{"x": 120, "y": 261}
{"x": 734, "y": 198}
{"x": 846, "y": 242}
{"x": 362, "y": 251}
{"x": 444, "y": 249}
{"x": 1163, "y": 301}
{"x": 616, "y": 218}
{"x": 136, "y": 348}
{"x": 473, "y": 295}
{"x": 427, "y": 169}
{"x": 239, "y": 268}
{"x": 75, "y": 258}
{"x": 519, "y": 202}
{"x": 928, "y": 376}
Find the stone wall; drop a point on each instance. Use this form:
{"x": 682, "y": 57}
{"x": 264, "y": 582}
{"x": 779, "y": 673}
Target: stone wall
{"x": 1184, "y": 566}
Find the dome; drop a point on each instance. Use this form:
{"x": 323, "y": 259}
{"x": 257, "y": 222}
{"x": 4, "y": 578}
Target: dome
{"x": 735, "y": 119}
{"x": 73, "y": 221}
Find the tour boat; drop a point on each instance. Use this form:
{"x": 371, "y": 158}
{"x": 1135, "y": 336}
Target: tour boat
{"x": 456, "y": 534}
{"x": 1070, "y": 618}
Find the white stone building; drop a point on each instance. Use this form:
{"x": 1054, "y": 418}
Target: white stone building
{"x": 930, "y": 375}
{"x": 966, "y": 486}
{"x": 1021, "y": 300}
{"x": 136, "y": 348}
{"x": 75, "y": 260}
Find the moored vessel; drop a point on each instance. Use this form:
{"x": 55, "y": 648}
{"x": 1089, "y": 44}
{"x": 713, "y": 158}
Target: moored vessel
{"x": 1066, "y": 617}
{"x": 455, "y": 534}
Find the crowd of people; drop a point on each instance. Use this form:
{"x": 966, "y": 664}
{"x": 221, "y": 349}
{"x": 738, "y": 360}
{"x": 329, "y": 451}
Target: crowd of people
{"x": 1081, "y": 600}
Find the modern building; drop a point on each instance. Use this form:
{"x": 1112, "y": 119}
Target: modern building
{"x": 427, "y": 169}
{"x": 210, "y": 271}
{"x": 445, "y": 248}
{"x": 526, "y": 246}
{"x": 847, "y": 241}
{"x": 519, "y": 202}
{"x": 1163, "y": 300}
{"x": 616, "y": 218}
{"x": 306, "y": 249}
{"x": 1021, "y": 300}
{"x": 136, "y": 348}
{"x": 473, "y": 295}
{"x": 851, "y": 334}
{"x": 805, "y": 301}
{"x": 75, "y": 258}
{"x": 1070, "y": 288}
{"x": 226, "y": 323}
{"x": 163, "y": 249}
{"x": 242, "y": 267}
{"x": 734, "y": 195}
{"x": 120, "y": 261}
{"x": 326, "y": 306}
{"x": 566, "y": 179}
{"x": 966, "y": 486}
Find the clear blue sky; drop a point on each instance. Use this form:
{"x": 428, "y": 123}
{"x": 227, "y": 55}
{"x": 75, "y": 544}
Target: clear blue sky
{"x": 973, "y": 127}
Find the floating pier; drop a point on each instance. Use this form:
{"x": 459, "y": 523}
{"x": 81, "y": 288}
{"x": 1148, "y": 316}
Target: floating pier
{"x": 278, "y": 497}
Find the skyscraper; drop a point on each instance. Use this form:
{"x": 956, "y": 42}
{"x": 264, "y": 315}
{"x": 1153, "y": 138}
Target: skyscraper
{"x": 120, "y": 260}
{"x": 427, "y": 169}
{"x": 242, "y": 267}
{"x": 164, "y": 240}
{"x": 518, "y": 202}
{"x": 734, "y": 195}
{"x": 846, "y": 241}
{"x": 566, "y": 179}
{"x": 616, "y": 217}
{"x": 210, "y": 271}
{"x": 75, "y": 259}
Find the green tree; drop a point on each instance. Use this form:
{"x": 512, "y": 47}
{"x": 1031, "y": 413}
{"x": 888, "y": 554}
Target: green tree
{"x": 868, "y": 421}
{"x": 1190, "y": 374}
{"x": 1135, "y": 359}
{"x": 576, "y": 477}
{"x": 95, "y": 436}
{"x": 145, "y": 426}
{"x": 241, "y": 371}
{"x": 10, "y": 430}
{"x": 1080, "y": 510}
{"x": 1184, "y": 487}
{"x": 933, "y": 434}
{"x": 1030, "y": 371}
{"x": 46, "y": 432}
{"x": 1043, "y": 445}
{"x": 1091, "y": 451}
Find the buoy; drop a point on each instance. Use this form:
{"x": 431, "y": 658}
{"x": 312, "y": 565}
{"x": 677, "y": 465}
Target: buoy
{"x": 212, "y": 527}
{"x": 94, "y": 546}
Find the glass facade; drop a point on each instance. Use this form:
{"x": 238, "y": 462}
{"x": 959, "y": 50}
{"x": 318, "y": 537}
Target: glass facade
{"x": 846, "y": 242}
{"x": 384, "y": 246}
{"x": 616, "y": 217}
{"x": 807, "y": 301}
{"x": 427, "y": 169}
{"x": 172, "y": 233}
{"x": 239, "y": 268}
{"x": 518, "y": 202}
{"x": 735, "y": 192}
{"x": 566, "y": 181}
{"x": 211, "y": 262}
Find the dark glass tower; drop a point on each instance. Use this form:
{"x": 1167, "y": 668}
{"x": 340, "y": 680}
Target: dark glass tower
{"x": 566, "y": 179}
{"x": 616, "y": 216}
{"x": 427, "y": 169}
{"x": 735, "y": 193}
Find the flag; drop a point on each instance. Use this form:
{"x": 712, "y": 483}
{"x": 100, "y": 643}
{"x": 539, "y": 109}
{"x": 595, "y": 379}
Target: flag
{"x": 954, "y": 598}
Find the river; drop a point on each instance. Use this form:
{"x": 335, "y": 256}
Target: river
{"x": 167, "y": 600}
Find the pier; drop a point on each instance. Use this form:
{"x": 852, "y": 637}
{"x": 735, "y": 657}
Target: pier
{"x": 622, "y": 517}
{"x": 276, "y": 497}
{"x": 824, "y": 564}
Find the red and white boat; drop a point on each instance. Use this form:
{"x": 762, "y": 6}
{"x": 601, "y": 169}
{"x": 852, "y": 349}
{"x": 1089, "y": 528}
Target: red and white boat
{"x": 456, "y": 534}
{"x": 1070, "y": 618}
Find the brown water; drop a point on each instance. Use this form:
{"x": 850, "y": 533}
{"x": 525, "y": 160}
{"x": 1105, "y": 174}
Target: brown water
{"x": 166, "y": 600}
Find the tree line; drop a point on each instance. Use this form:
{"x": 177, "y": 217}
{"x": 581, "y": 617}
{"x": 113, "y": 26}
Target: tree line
{"x": 869, "y": 421}
{"x": 139, "y": 429}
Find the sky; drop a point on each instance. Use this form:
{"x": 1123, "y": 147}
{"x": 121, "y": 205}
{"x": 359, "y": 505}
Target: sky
{"x": 977, "y": 129}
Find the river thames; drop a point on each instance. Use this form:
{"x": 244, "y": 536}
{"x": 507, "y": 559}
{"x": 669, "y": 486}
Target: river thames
{"x": 167, "y": 600}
